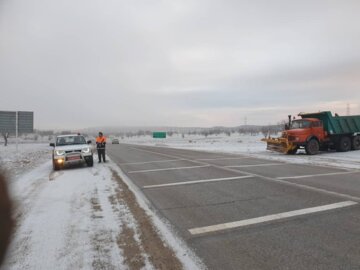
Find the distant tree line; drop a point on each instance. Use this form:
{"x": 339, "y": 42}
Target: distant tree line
{"x": 269, "y": 130}
{"x": 215, "y": 131}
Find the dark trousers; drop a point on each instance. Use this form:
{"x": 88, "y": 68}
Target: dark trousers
{"x": 101, "y": 153}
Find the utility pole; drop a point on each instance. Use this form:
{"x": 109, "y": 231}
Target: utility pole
{"x": 348, "y": 109}
{"x": 17, "y": 131}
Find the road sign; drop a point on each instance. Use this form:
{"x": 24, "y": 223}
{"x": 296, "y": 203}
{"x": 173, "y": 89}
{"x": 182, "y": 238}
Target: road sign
{"x": 24, "y": 121}
{"x": 159, "y": 135}
{"x": 15, "y": 123}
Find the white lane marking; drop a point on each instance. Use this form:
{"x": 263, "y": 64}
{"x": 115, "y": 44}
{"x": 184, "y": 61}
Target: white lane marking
{"x": 172, "y": 156}
{"x": 275, "y": 180}
{"x": 247, "y": 222}
{"x": 199, "y": 181}
{"x": 315, "y": 175}
{"x": 255, "y": 165}
{"x": 160, "y": 154}
{"x": 170, "y": 169}
{"x": 209, "y": 159}
{"x": 149, "y": 162}
{"x": 302, "y": 186}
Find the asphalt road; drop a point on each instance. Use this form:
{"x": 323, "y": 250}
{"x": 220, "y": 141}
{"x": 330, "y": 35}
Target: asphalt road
{"x": 238, "y": 212}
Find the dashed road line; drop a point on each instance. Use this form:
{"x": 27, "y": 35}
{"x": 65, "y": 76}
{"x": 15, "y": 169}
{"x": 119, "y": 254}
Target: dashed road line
{"x": 315, "y": 175}
{"x": 255, "y": 165}
{"x": 234, "y": 158}
{"x": 150, "y": 162}
{"x": 160, "y": 154}
{"x": 252, "y": 221}
{"x": 198, "y": 181}
{"x": 170, "y": 169}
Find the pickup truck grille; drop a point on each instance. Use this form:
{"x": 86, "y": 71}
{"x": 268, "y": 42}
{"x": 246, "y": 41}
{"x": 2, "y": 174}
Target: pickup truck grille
{"x": 73, "y": 151}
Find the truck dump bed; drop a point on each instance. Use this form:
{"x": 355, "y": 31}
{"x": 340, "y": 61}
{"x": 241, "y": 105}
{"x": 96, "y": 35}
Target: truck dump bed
{"x": 336, "y": 125}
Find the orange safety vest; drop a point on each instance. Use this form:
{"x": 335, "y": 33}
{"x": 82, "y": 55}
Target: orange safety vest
{"x": 101, "y": 142}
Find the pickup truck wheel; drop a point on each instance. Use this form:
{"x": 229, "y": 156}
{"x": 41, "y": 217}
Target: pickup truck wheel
{"x": 90, "y": 162}
{"x": 344, "y": 144}
{"x": 56, "y": 167}
{"x": 356, "y": 143}
{"x": 312, "y": 147}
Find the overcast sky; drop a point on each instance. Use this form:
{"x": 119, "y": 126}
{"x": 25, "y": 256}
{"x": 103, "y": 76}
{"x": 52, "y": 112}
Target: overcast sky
{"x": 85, "y": 63}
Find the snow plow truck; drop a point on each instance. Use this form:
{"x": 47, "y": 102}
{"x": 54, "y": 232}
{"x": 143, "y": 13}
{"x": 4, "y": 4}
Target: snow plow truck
{"x": 316, "y": 132}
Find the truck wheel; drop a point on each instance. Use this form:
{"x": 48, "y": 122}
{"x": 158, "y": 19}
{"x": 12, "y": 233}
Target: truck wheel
{"x": 344, "y": 144}
{"x": 90, "y": 162}
{"x": 356, "y": 143}
{"x": 312, "y": 147}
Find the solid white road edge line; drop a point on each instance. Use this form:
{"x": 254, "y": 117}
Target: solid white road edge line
{"x": 247, "y": 222}
{"x": 198, "y": 181}
{"x": 315, "y": 175}
{"x": 180, "y": 247}
{"x": 255, "y": 165}
{"x": 170, "y": 169}
{"x": 149, "y": 162}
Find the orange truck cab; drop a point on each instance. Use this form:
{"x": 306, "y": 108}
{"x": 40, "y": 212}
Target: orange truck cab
{"x": 303, "y": 130}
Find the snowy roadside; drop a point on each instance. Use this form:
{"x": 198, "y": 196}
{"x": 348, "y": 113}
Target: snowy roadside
{"x": 88, "y": 218}
{"x": 250, "y": 146}
{"x": 27, "y": 157}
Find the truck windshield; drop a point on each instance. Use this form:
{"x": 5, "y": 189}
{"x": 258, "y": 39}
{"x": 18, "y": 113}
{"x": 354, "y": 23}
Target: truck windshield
{"x": 300, "y": 124}
{"x": 70, "y": 140}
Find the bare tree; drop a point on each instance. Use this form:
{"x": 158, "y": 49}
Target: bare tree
{"x": 5, "y": 136}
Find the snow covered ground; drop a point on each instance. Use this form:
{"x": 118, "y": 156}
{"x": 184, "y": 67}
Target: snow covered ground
{"x": 26, "y": 157}
{"x": 87, "y": 218}
{"x": 251, "y": 146}
{"x": 84, "y": 218}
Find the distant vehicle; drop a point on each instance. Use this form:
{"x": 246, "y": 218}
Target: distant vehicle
{"x": 115, "y": 141}
{"x": 71, "y": 149}
{"x": 318, "y": 132}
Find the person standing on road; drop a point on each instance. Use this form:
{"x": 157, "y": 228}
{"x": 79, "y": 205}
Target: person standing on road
{"x": 100, "y": 146}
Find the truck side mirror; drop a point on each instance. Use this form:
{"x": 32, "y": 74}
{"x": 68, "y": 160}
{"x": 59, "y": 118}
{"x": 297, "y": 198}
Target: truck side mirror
{"x": 88, "y": 142}
{"x": 52, "y": 144}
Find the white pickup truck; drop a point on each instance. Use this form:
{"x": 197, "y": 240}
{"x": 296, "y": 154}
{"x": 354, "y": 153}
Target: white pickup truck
{"x": 71, "y": 149}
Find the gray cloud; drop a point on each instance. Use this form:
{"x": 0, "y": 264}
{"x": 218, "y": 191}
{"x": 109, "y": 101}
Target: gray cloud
{"x": 89, "y": 62}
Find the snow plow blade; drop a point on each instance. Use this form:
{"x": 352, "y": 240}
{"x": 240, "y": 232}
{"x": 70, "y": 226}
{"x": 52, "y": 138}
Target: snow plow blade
{"x": 280, "y": 145}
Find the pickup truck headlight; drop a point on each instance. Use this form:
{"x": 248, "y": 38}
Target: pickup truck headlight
{"x": 59, "y": 152}
{"x": 86, "y": 150}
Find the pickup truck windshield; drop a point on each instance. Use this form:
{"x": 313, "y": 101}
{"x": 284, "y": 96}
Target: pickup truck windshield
{"x": 300, "y": 124}
{"x": 70, "y": 140}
